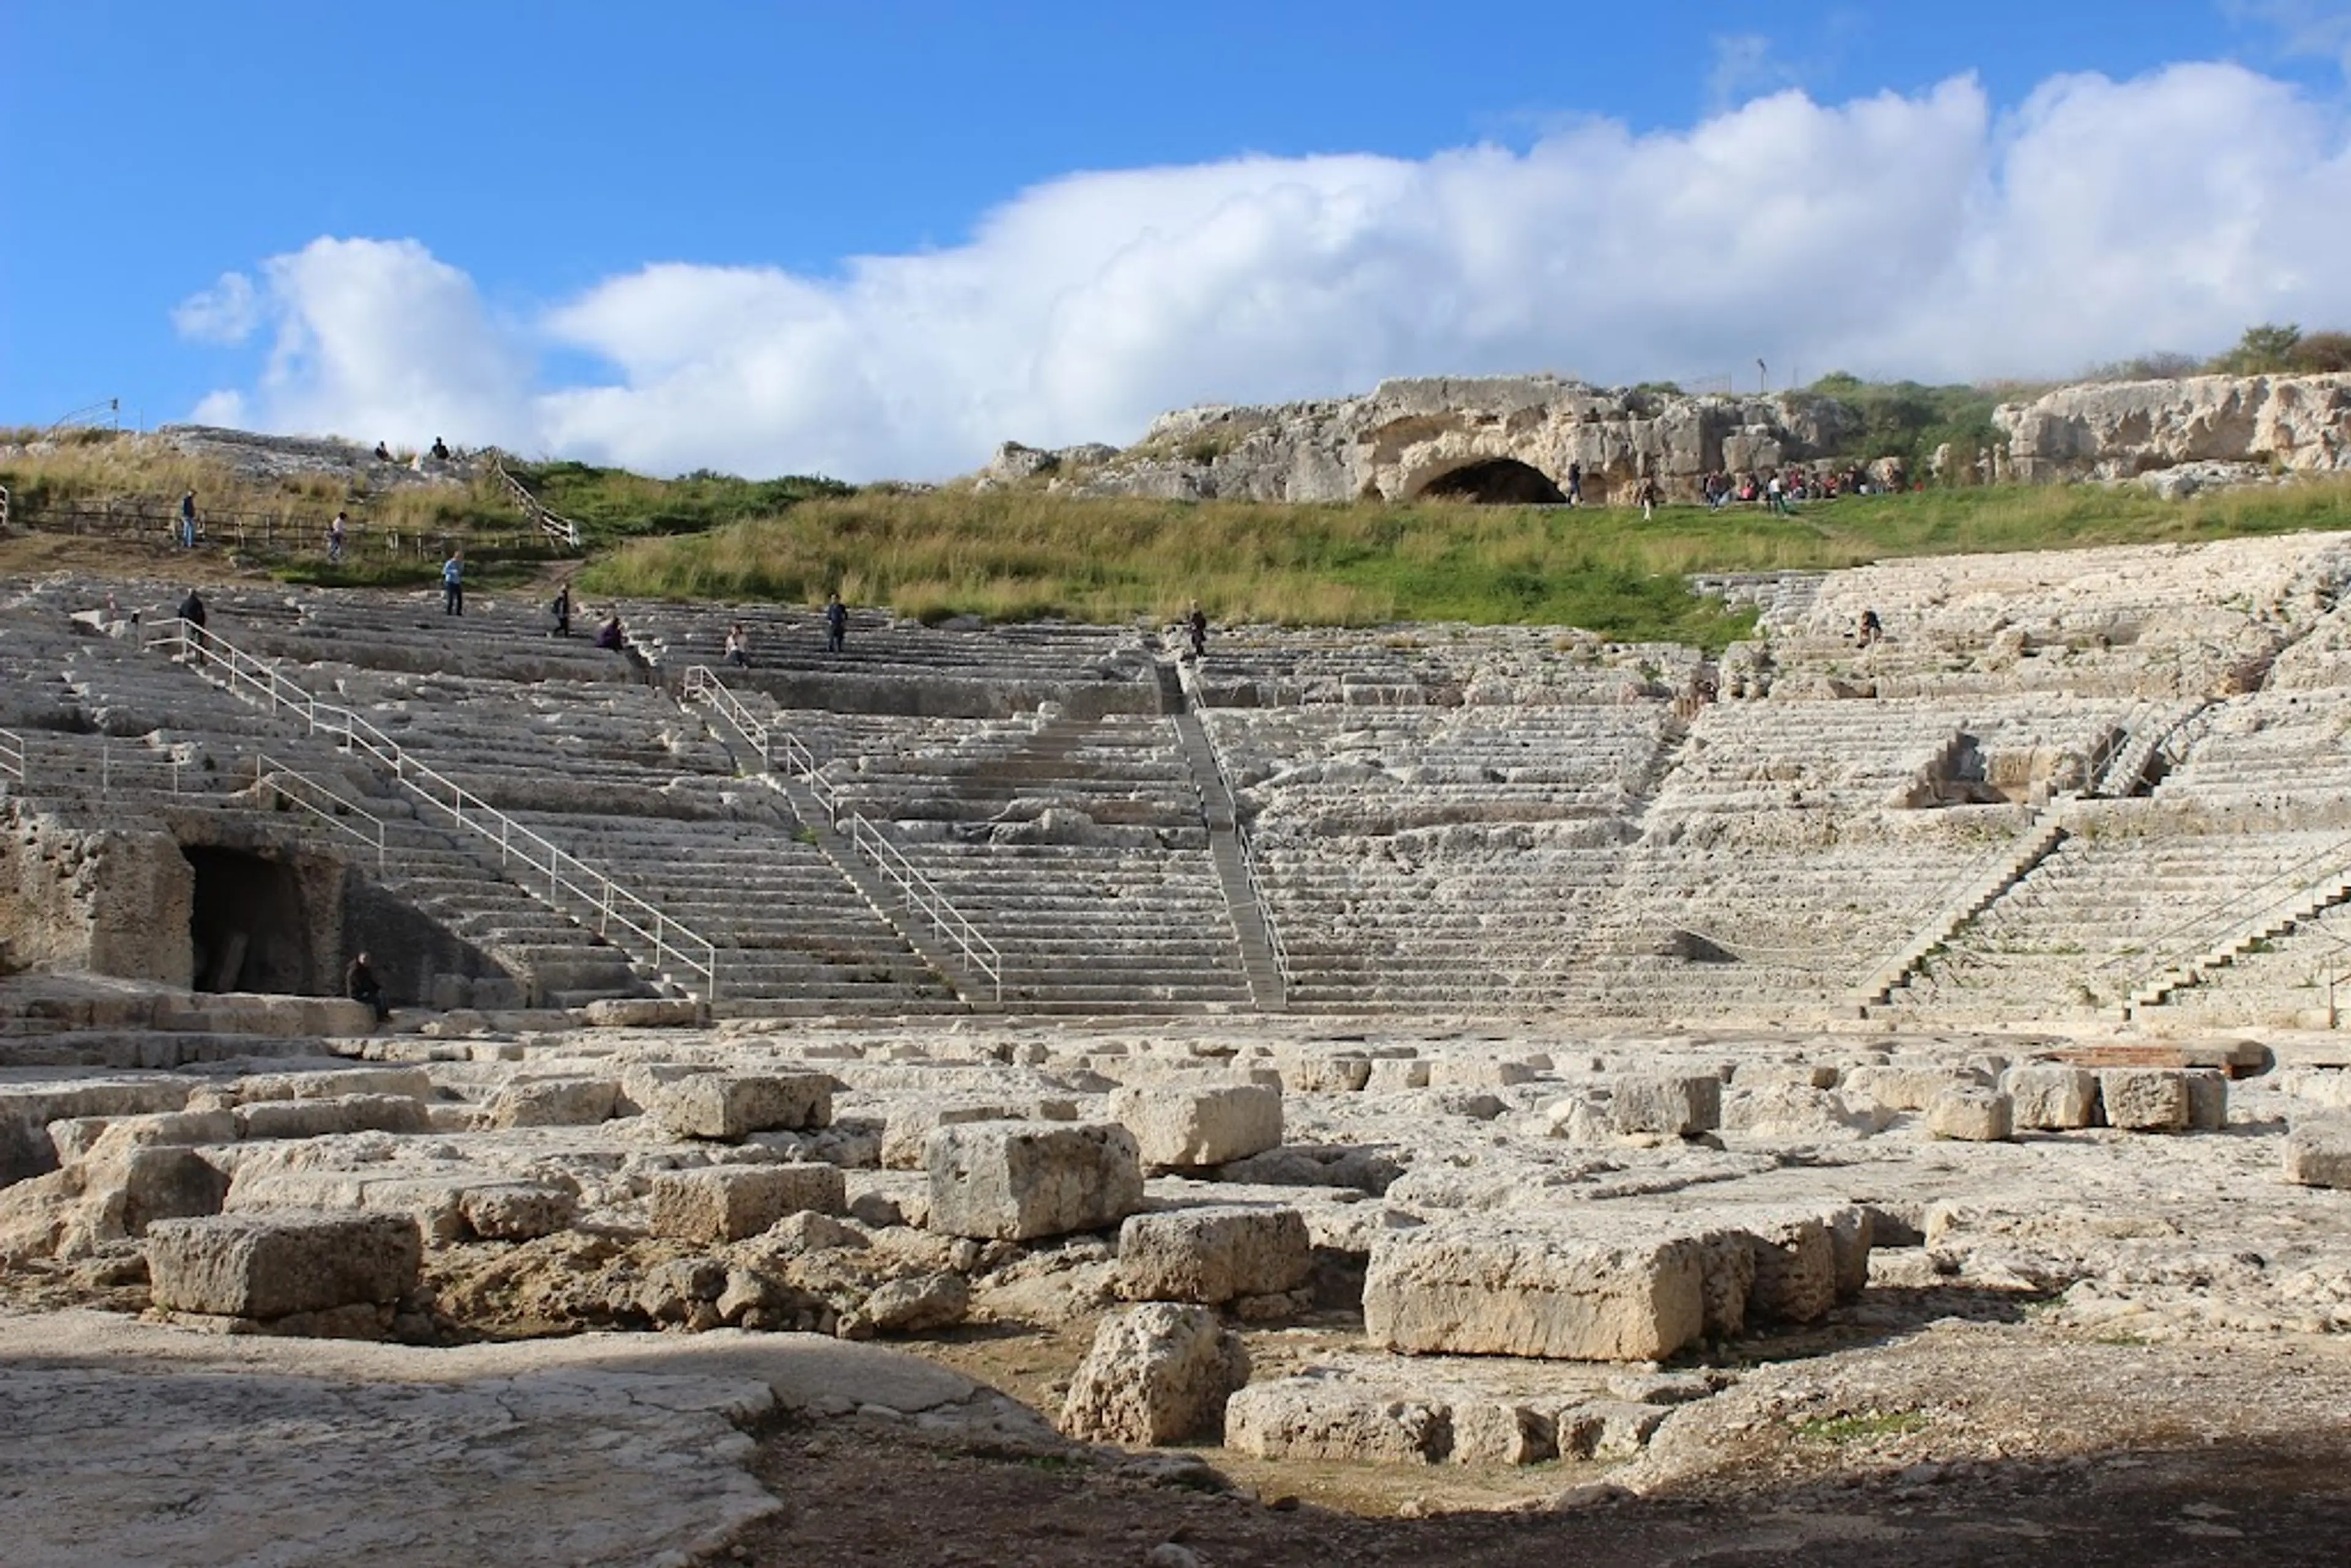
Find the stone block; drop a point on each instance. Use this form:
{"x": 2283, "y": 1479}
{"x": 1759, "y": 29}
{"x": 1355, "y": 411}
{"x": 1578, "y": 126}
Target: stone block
{"x": 1395, "y": 1075}
{"x": 1482, "y": 1287}
{"x": 2318, "y": 1151}
{"x": 554, "y": 1103}
{"x": 329, "y": 1118}
{"x": 1477, "y": 1072}
{"x": 1500, "y": 1432}
{"x": 1852, "y": 1234}
{"x": 1013, "y": 1181}
{"x": 727, "y": 1203}
{"x": 1667, "y": 1105}
{"x": 906, "y": 1130}
{"x": 1322, "y": 1075}
{"x": 2049, "y": 1097}
{"x": 1158, "y": 1373}
{"x": 1606, "y": 1429}
{"x": 1186, "y": 1128}
{"x": 164, "y": 1182}
{"x": 1796, "y": 1274}
{"x": 1901, "y": 1087}
{"x": 1323, "y": 1419}
{"x": 518, "y": 1211}
{"x": 271, "y": 1265}
{"x": 2145, "y": 1099}
{"x": 2208, "y": 1099}
{"x": 1969, "y": 1114}
{"x": 1213, "y": 1255}
{"x": 730, "y": 1106}
{"x": 644, "y": 1012}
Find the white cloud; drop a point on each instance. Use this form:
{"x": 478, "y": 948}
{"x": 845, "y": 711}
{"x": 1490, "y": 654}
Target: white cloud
{"x": 227, "y": 312}
{"x": 1921, "y": 237}
{"x": 1744, "y": 65}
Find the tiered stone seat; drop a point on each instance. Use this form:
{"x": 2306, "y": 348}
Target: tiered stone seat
{"x": 1265, "y": 667}
{"x": 2136, "y": 885}
{"x": 2271, "y": 748}
{"x": 1077, "y": 846}
{"x": 1795, "y": 845}
{"x": 1436, "y": 855}
{"x": 878, "y": 645}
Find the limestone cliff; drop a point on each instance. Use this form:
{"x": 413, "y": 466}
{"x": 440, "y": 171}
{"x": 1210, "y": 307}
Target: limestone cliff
{"x": 1495, "y": 438}
{"x": 2122, "y": 430}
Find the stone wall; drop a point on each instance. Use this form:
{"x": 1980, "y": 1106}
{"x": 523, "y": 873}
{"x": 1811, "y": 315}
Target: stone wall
{"x": 110, "y": 901}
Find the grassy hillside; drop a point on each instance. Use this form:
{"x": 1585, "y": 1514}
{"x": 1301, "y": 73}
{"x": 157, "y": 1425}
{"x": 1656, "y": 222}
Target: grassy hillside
{"x": 1021, "y": 553}
{"x": 1015, "y": 554}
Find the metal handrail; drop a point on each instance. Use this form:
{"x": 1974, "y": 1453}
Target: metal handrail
{"x": 1250, "y": 867}
{"x": 554, "y": 526}
{"x": 558, "y": 870}
{"x": 923, "y": 896}
{"x": 2298, "y": 882}
{"x": 17, "y": 763}
{"x": 335, "y": 816}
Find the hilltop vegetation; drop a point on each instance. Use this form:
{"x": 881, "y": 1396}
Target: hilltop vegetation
{"x": 1021, "y": 552}
{"x": 1016, "y": 555}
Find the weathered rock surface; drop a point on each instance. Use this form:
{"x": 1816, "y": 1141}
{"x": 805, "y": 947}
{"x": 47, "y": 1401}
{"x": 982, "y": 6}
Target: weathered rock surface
{"x": 1506, "y": 437}
{"x": 1158, "y": 1373}
{"x": 1184, "y": 1128}
{"x": 730, "y": 1106}
{"x": 1488, "y": 1289}
{"x": 2117, "y": 431}
{"x": 2318, "y": 1151}
{"x": 2046, "y": 1097}
{"x": 727, "y": 1203}
{"x": 267, "y": 1266}
{"x": 1012, "y": 1181}
{"x": 1213, "y": 1255}
{"x": 1318, "y": 1418}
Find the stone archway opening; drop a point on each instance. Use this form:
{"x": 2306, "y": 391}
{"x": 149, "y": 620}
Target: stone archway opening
{"x": 246, "y": 928}
{"x": 1497, "y": 482}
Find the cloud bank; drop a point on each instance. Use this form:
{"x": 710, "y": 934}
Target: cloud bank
{"x": 1923, "y": 237}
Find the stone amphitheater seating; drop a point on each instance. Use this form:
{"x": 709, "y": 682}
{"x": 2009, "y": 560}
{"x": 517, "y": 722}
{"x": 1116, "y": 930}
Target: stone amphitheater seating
{"x": 1442, "y": 816}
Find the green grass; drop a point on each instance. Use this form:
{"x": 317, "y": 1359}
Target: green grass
{"x": 613, "y": 504}
{"x": 1013, "y": 554}
{"x": 1839, "y": 1430}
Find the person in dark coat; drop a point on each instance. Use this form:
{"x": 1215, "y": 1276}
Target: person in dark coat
{"x": 835, "y": 624}
{"x": 192, "y": 610}
{"x": 361, "y": 986}
{"x": 561, "y": 611}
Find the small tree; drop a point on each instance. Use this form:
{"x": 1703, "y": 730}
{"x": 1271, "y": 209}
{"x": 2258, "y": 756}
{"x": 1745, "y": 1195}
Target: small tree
{"x": 2263, "y": 351}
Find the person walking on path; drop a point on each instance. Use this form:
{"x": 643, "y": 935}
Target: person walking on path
{"x": 188, "y": 520}
{"x": 1196, "y": 629}
{"x": 562, "y": 609}
{"x": 360, "y": 984}
{"x": 453, "y": 583}
{"x": 835, "y": 624}
{"x": 335, "y": 540}
{"x": 1576, "y": 484}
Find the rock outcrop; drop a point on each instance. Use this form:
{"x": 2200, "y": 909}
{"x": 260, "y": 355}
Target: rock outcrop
{"x": 1493, "y": 438}
{"x": 2298, "y": 425}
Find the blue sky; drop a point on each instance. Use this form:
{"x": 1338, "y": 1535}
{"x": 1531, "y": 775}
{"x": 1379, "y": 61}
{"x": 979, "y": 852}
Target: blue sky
{"x": 875, "y": 239}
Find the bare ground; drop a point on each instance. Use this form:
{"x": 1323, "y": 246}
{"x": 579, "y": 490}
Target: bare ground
{"x": 1964, "y": 1443}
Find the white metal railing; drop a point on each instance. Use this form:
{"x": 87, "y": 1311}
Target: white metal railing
{"x": 1249, "y": 864}
{"x": 335, "y": 811}
{"x": 2287, "y": 895}
{"x": 22, "y": 763}
{"x": 557, "y": 528}
{"x": 702, "y": 683}
{"x": 556, "y": 875}
{"x": 921, "y": 896}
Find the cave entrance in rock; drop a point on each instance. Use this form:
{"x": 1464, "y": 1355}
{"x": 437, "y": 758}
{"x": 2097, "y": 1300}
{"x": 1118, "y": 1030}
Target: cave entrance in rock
{"x": 247, "y": 929}
{"x": 1497, "y": 482}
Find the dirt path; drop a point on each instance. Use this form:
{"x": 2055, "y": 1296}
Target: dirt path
{"x": 1969, "y": 1443}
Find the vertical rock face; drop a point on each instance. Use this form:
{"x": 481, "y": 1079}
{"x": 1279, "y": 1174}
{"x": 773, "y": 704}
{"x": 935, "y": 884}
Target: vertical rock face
{"x": 1158, "y": 1373}
{"x": 1509, "y": 438}
{"x": 2302, "y": 424}
{"x": 115, "y": 902}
